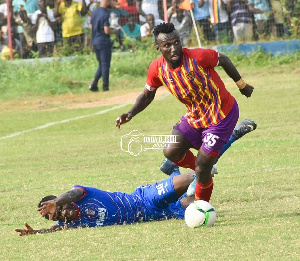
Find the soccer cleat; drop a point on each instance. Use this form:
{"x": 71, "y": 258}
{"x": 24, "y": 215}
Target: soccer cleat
{"x": 168, "y": 167}
{"x": 244, "y": 127}
{"x": 191, "y": 189}
{"x": 214, "y": 170}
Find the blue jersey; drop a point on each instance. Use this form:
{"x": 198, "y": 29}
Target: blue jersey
{"x": 102, "y": 208}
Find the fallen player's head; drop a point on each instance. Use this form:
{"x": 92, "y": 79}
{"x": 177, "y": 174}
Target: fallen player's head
{"x": 63, "y": 213}
{"x": 44, "y": 199}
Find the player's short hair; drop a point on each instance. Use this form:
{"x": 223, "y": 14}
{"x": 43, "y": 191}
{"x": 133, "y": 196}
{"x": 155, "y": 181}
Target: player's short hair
{"x": 44, "y": 199}
{"x": 164, "y": 28}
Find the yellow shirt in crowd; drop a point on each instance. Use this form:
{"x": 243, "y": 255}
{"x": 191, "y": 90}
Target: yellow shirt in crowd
{"x": 71, "y": 19}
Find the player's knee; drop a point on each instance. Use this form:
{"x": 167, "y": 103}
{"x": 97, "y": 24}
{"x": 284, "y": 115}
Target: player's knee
{"x": 172, "y": 154}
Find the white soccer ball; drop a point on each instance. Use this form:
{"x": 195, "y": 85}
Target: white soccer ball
{"x": 200, "y": 213}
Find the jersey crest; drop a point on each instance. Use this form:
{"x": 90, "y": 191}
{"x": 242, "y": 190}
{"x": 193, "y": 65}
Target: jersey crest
{"x": 190, "y": 75}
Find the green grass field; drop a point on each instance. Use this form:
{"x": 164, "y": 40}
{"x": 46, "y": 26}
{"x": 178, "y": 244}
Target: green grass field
{"x": 256, "y": 192}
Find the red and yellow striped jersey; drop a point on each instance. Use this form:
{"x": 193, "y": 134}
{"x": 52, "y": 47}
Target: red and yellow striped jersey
{"x": 196, "y": 84}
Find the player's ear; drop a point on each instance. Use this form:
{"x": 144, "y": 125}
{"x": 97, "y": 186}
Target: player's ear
{"x": 157, "y": 48}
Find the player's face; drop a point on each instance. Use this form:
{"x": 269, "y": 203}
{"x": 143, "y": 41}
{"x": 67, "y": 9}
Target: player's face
{"x": 65, "y": 213}
{"x": 170, "y": 47}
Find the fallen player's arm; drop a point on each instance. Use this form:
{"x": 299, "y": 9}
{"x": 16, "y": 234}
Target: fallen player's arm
{"x": 49, "y": 207}
{"x": 30, "y": 231}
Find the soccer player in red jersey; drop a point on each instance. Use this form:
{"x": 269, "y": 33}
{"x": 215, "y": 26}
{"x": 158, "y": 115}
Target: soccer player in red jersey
{"x": 212, "y": 112}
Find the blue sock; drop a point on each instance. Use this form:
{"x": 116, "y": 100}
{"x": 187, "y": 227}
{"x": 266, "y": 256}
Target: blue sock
{"x": 226, "y": 146}
{"x": 175, "y": 172}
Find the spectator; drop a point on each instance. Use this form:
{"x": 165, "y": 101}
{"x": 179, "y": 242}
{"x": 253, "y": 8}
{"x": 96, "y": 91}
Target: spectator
{"x": 131, "y": 29}
{"x": 201, "y": 15}
{"x": 277, "y": 10}
{"x": 70, "y": 13}
{"x": 44, "y": 23}
{"x": 241, "y": 20}
{"x": 29, "y": 33}
{"x": 57, "y": 28}
{"x": 30, "y": 6}
{"x": 5, "y": 50}
{"x": 86, "y": 19}
{"x": 220, "y": 19}
{"x": 145, "y": 7}
{"x": 130, "y": 6}
{"x": 172, "y": 9}
{"x": 293, "y": 14}
{"x": 3, "y": 9}
{"x": 2, "y": 41}
{"x": 119, "y": 15}
{"x": 182, "y": 23}
{"x": 147, "y": 28}
{"x": 3, "y": 19}
{"x": 102, "y": 44}
{"x": 262, "y": 14}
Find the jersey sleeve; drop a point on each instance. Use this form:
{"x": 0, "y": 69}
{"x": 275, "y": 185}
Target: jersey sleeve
{"x": 206, "y": 58}
{"x": 153, "y": 82}
{"x": 82, "y": 188}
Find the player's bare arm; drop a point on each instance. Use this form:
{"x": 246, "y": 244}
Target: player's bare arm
{"x": 142, "y": 101}
{"x": 49, "y": 207}
{"x": 28, "y": 230}
{"x": 245, "y": 88}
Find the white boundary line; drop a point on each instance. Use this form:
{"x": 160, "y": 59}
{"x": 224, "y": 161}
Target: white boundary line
{"x": 63, "y": 121}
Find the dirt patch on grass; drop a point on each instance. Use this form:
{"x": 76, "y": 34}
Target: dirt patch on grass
{"x": 126, "y": 98}
{"x": 75, "y": 101}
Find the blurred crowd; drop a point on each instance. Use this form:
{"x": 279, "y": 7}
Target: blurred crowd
{"x": 40, "y": 27}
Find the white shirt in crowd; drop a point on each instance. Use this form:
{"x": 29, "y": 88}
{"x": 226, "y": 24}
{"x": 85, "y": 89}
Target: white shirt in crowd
{"x": 44, "y": 32}
{"x": 149, "y": 7}
{"x": 146, "y": 28}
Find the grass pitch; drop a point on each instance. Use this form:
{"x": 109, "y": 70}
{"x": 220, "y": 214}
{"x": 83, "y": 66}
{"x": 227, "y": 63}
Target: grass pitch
{"x": 256, "y": 192}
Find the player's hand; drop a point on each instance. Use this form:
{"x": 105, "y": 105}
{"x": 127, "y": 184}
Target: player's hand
{"x": 125, "y": 117}
{"x": 48, "y": 207}
{"x": 25, "y": 231}
{"x": 247, "y": 90}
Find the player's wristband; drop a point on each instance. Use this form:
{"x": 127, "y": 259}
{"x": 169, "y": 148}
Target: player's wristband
{"x": 241, "y": 84}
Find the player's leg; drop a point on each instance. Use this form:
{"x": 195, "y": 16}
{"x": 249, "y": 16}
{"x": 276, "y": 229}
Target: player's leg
{"x": 204, "y": 181}
{"x": 213, "y": 140}
{"x": 179, "y": 152}
{"x": 163, "y": 197}
{"x": 105, "y": 61}
{"x": 94, "y": 86}
{"x": 182, "y": 182}
{"x": 242, "y": 128}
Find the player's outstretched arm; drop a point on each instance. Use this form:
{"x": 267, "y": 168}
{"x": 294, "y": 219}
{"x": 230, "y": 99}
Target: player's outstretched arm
{"x": 49, "y": 207}
{"x": 142, "y": 101}
{"x": 28, "y": 230}
{"x": 232, "y": 72}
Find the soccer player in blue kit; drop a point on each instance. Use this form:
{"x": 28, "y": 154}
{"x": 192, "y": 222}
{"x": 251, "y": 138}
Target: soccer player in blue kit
{"x": 91, "y": 207}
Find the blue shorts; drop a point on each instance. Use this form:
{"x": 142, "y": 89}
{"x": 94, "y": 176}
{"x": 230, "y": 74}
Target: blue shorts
{"x": 161, "y": 200}
{"x": 211, "y": 139}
